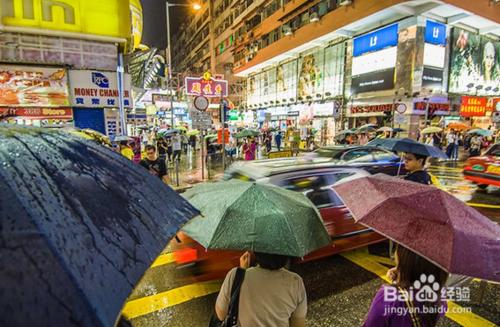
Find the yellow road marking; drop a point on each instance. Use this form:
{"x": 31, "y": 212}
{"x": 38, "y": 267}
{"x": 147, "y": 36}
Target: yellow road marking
{"x": 466, "y": 319}
{"x": 149, "y": 304}
{"x": 449, "y": 177}
{"x": 445, "y": 168}
{"x": 483, "y": 205}
{"x": 163, "y": 259}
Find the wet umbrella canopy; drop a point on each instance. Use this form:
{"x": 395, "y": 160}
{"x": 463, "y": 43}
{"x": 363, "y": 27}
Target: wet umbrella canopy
{"x": 409, "y": 145}
{"x": 428, "y": 221}
{"x": 241, "y": 215}
{"x": 79, "y": 226}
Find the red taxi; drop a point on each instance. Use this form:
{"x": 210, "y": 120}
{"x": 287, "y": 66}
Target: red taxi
{"x": 484, "y": 170}
{"x": 315, "y": 181}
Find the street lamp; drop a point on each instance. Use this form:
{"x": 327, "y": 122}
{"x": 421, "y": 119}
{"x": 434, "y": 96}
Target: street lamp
{"x": 195, "y": 6}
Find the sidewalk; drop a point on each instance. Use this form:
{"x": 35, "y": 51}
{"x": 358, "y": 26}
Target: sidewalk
{"x": 190, "y": 172}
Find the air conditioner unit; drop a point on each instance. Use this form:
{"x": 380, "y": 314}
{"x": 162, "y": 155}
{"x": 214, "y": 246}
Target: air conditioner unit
{"x": 314, "y": 17}
{"x": 287, "y": 30}
{"x": 345, "y": 2}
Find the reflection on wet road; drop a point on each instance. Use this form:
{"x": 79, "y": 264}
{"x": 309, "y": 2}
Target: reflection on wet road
{"x": 340, "y": 288}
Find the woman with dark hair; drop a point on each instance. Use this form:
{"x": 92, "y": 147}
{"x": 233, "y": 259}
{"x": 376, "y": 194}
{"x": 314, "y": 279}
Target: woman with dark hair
{"x": 415, "y": 166}
{"x": 414, "y": 299}
{"x": 270, "y": 295}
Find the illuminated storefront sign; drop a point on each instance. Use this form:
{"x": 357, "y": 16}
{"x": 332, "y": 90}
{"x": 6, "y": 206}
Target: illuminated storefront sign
{"x": 37, "y": 113}
{"x": 26, "y": 86}
{"x": 435, "y": 33}
{"x": 379, "y": 108}
{"x": 419, "y": 108}
{"x": 374, "y": 60}
{"x": 208, "y": 87}
{"x": 97, "y": 89}
{"x": 375, "y": 41}
{"x": 95, "y": 17}
{"x": 473, "y": 106}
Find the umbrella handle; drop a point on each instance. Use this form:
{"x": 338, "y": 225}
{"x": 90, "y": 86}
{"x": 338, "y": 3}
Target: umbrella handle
{"x": 399, "y": 166}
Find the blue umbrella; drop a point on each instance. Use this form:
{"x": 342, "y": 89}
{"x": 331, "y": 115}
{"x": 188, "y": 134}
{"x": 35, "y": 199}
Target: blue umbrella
{"x": 79, "y": 225}
{"x": 480, "y": 131}
{"x": 409, "y": 145}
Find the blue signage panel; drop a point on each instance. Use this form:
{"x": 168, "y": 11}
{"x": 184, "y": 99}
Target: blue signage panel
{"x": 435, "y": 33}
{"x": 378, "y": 40}
{"x": 89, "y": 118}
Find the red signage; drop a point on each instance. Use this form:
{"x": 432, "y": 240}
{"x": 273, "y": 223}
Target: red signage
{"x": 473, "y": 106}
{"x": 434, "y": 108}
{"x": 371, "y": 108}
{"x": 37, "y": 113}
{"x": 226, "y": 136}
{"x": 211, "y": 87}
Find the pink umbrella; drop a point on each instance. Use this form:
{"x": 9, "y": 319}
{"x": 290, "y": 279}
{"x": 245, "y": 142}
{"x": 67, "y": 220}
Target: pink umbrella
{"x": 428, "y": 221}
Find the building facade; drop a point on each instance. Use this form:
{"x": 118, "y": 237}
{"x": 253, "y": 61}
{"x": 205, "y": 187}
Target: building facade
{"x": 325, "y": 65}
{"x": 59, "y": 61}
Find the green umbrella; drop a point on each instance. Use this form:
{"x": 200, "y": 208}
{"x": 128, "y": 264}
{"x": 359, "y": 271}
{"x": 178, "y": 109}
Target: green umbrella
{"x": 238, "y": 215}
{"x": 431, "y": 129}
{"x": 193, "y": 132}
{"x": 247, "y": 133}
{"x": 210, "y": 136}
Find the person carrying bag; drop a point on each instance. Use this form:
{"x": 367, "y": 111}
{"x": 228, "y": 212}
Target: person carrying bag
{"x": 231, "y": 319}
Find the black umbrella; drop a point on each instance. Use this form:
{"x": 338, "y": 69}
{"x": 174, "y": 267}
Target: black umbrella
{"x": 79, "y": 225}
{"x": 409, "y": 145}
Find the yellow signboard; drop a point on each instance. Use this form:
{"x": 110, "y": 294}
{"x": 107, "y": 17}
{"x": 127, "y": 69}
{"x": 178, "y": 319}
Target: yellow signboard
{"x": 112, "y": 18}
{"x": 280, "y": 154}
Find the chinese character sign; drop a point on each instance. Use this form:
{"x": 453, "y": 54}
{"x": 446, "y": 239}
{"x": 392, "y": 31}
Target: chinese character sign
{"x": 208, "y": 88}
{"x": 473, "y": 106}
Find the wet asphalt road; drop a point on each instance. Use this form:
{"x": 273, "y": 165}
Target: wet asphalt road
{"x": 339, "y": 291}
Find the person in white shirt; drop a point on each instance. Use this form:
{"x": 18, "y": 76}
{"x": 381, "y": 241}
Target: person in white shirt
{"x": 270, "y": 294}
{"x": 176, "y": 146}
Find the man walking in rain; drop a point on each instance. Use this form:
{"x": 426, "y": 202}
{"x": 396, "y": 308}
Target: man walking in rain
{"x": 154, "y": 165}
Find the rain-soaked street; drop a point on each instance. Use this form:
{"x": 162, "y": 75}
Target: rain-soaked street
{"x": 339, "y": 288}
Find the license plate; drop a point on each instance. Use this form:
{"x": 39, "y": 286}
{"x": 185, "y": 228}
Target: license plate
{"x": 494, "y": 169}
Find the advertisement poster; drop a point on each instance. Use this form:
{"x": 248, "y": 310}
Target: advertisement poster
{"x": 268, "y": 85}
{"x": 374, "y": 60}
{"x": 310, "y": 80}
{"x": 24, "y": 86}
{"x": 253, "y": 89}
{"x": 334, "y": 70}
{"x": 286, "y": 81}
{"x": 475, "y": 61}
{"x": 97, "y": 89}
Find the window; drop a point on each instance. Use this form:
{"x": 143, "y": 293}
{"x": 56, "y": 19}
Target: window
{"x": 357, "y": 155}
{"x": 381, "y": 155}
{"x": 318, "y": 188}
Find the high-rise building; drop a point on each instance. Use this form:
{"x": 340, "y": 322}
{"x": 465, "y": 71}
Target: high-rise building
{"x": 330, "y": 64}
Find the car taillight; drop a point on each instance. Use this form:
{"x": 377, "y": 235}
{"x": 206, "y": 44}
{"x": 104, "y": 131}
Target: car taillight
{"x": 186, "y": 255}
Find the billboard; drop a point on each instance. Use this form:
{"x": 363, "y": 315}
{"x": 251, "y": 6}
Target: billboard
{"x": 475, "y": 61}
{"x": 27, "y": 86}
{"x": 286, "y": 81}
{"x": 434, "y": 55}
{"x": 374, "y": 60}
{"x": 310, "y": 79}
{"x": 97, "y": 89}
{"x": 334, "y": 70}
{"x": 96, "y": 17}
{"x": 268, "y": 85}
